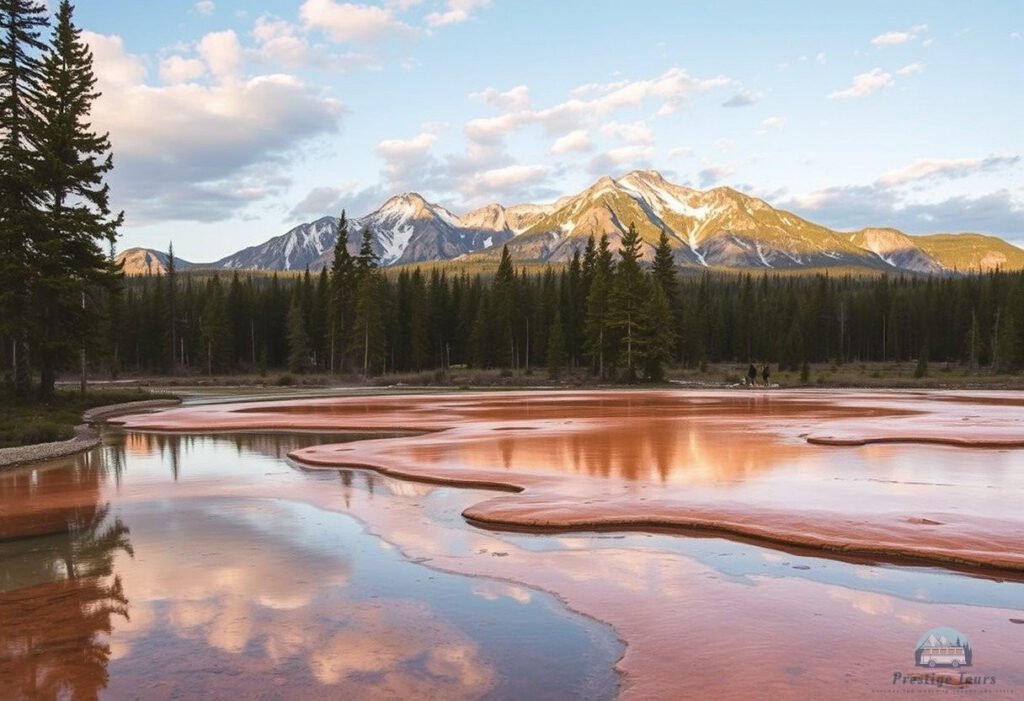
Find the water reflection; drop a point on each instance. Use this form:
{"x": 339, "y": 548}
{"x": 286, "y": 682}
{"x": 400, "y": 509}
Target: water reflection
{"x": 221, "y": 592}
{"x": 59, "y": 595}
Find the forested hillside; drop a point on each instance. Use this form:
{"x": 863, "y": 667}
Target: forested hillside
{"x": 603, "y": 314}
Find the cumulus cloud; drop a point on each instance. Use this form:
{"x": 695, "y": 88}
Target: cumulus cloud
{"x": 177, "y": 69}
{"x": 512, "y": 176}
{"x": 455, "y": 12}
{"x": 865, "y": 84}
{"x": 772, "y": 124}
{"x": 632, "y": 132}
{"x": 744, "y": 98}
{"x": 281, "y": 43}
{"x": 512, "y": 100}
{"x": 222, "y": 53}
{"x": 950, "y": 168}
{"x": 409, "y": 164}
{"x": 485, "y": 164}
{"x": 888, "y": 201}
{"x": 680, "y": 152}
{"x": 323, "y": 201}
{"x": 204, "y": 7}
{"x": 190, "y": 151}
{"x": 859, "y": 206}
{"x": 344, "y": 22}
{"x": 900, "y": 37}
{"x": 714, "y": 175}
{"x": 911, "y": 68}
{"x": 631, "y": 157}
{"x": 578, "y": 140}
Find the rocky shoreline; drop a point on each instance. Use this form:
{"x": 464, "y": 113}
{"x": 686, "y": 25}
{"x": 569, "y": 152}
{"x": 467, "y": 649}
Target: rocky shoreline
{"x": 86, "y": 436}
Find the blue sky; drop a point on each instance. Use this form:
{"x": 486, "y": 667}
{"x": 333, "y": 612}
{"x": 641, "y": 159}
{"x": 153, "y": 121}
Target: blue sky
{"x": 233, "y": 121}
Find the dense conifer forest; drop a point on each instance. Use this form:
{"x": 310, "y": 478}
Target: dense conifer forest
{"x": 606, "y": 315}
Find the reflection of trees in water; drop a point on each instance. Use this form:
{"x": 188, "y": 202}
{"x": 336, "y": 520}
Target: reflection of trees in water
{"x": 51, "y": 642}
{"x": 172, "y": 447}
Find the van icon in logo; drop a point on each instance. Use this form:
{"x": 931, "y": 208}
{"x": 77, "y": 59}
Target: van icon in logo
{"x": 943, "y": 647}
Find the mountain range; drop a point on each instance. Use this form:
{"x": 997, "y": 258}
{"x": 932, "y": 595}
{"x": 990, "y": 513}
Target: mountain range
{"x": 719, "y": 228}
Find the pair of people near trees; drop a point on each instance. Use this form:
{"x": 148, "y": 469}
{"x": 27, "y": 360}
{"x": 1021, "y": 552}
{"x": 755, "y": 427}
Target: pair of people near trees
{"x": 752, "y": 374}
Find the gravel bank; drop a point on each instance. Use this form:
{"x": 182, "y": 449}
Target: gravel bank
{"x": 86, "y": 437}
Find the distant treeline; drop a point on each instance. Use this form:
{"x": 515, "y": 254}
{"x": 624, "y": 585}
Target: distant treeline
{"x": 603, "y": 313}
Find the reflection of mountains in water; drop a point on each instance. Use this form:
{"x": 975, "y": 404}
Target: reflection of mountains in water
{"x": 58, "y": 592}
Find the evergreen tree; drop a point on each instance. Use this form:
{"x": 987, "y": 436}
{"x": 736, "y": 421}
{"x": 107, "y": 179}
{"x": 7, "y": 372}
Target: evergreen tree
{"x": 664, "y": 268}
{"x": 556, "y": 348}
{"x": 368, "y": 322}
{"x": 655, "y": 336}
{"x": 599, "y": 343}
{"x": 172, "y": 302}
{"x": 70, "y": 249}
{"x": 21, "y": 220}
{"x": 503, "y": 301}
{"x": 342, "y": 297}
{"x": 298, "y": 338}
{"x": 627, "y": 297}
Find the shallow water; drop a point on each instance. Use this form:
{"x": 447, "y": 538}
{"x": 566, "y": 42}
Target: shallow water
{"x": 268, "y": 572}
{"x": 118, "y": 579}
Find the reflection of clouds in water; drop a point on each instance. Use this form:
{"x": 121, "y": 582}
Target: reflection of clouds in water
{"x": 866, "y": 602}
{"x": 492, "y": 591}
{"x": 278, "y": 604}
{"x": 874, "y": 604}
{"x": 386, "y": 642}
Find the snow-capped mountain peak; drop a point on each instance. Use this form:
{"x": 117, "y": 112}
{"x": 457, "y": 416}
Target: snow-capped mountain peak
{"x": 717, "y": 228}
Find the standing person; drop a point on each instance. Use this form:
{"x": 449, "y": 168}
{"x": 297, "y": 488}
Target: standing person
{"x": 766, "y": 372}
{"x": 751, "y": 375}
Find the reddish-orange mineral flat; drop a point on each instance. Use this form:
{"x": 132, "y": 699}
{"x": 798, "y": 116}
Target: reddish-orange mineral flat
{"x": 896, "y": 476}
{"x": 191, "y": 566}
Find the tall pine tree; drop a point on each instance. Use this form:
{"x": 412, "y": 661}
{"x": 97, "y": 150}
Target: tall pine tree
{"x": 343, "y": 284}
{"x": 627, "y": 297}
{"x": 70, "y": 249}
{"x": 21, "y": 221}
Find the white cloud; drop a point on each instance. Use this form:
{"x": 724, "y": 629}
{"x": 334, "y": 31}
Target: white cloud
{"x": 177, "y": 69}
{"x": 512, "y": 176}
{"x": 281, "y": 43}
{"x": 820, "y": 58}
{"x": 494, "y": 129}
{"x": 680, "y": 152}
{"x": 621, "y": 158}
{"x": 204, "y": 7}
{"x": 865, "y": 84}
{"x": 632, "y": 133}
{"x": 512, "y": 100}
{"x": 199, "y": 152}
{"x": 456, "y": 12}
{"x": 403, "y": 148}
{"x": 772, "y": 124}
{"x": 928, "y": 168}
{"x": 897, "y": 38}
{"x": 714, "y": 174}
{"x": 578, "y": 140}
{"x": 892, "y": 38}
{"x": 344, "y": 22}
{"x": 911, "y": 68}
{"x": 409, "y": 163}
{"x": 113, "y": 65}
{"x": 744, "y": 98}
{"x": 222, "y": 53}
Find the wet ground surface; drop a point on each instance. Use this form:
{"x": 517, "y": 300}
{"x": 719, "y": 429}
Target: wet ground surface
{"x": 268, "y": 577}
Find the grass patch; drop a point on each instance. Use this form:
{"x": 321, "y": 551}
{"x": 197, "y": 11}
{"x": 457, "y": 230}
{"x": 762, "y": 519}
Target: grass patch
{"x": 28, "y": 423}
